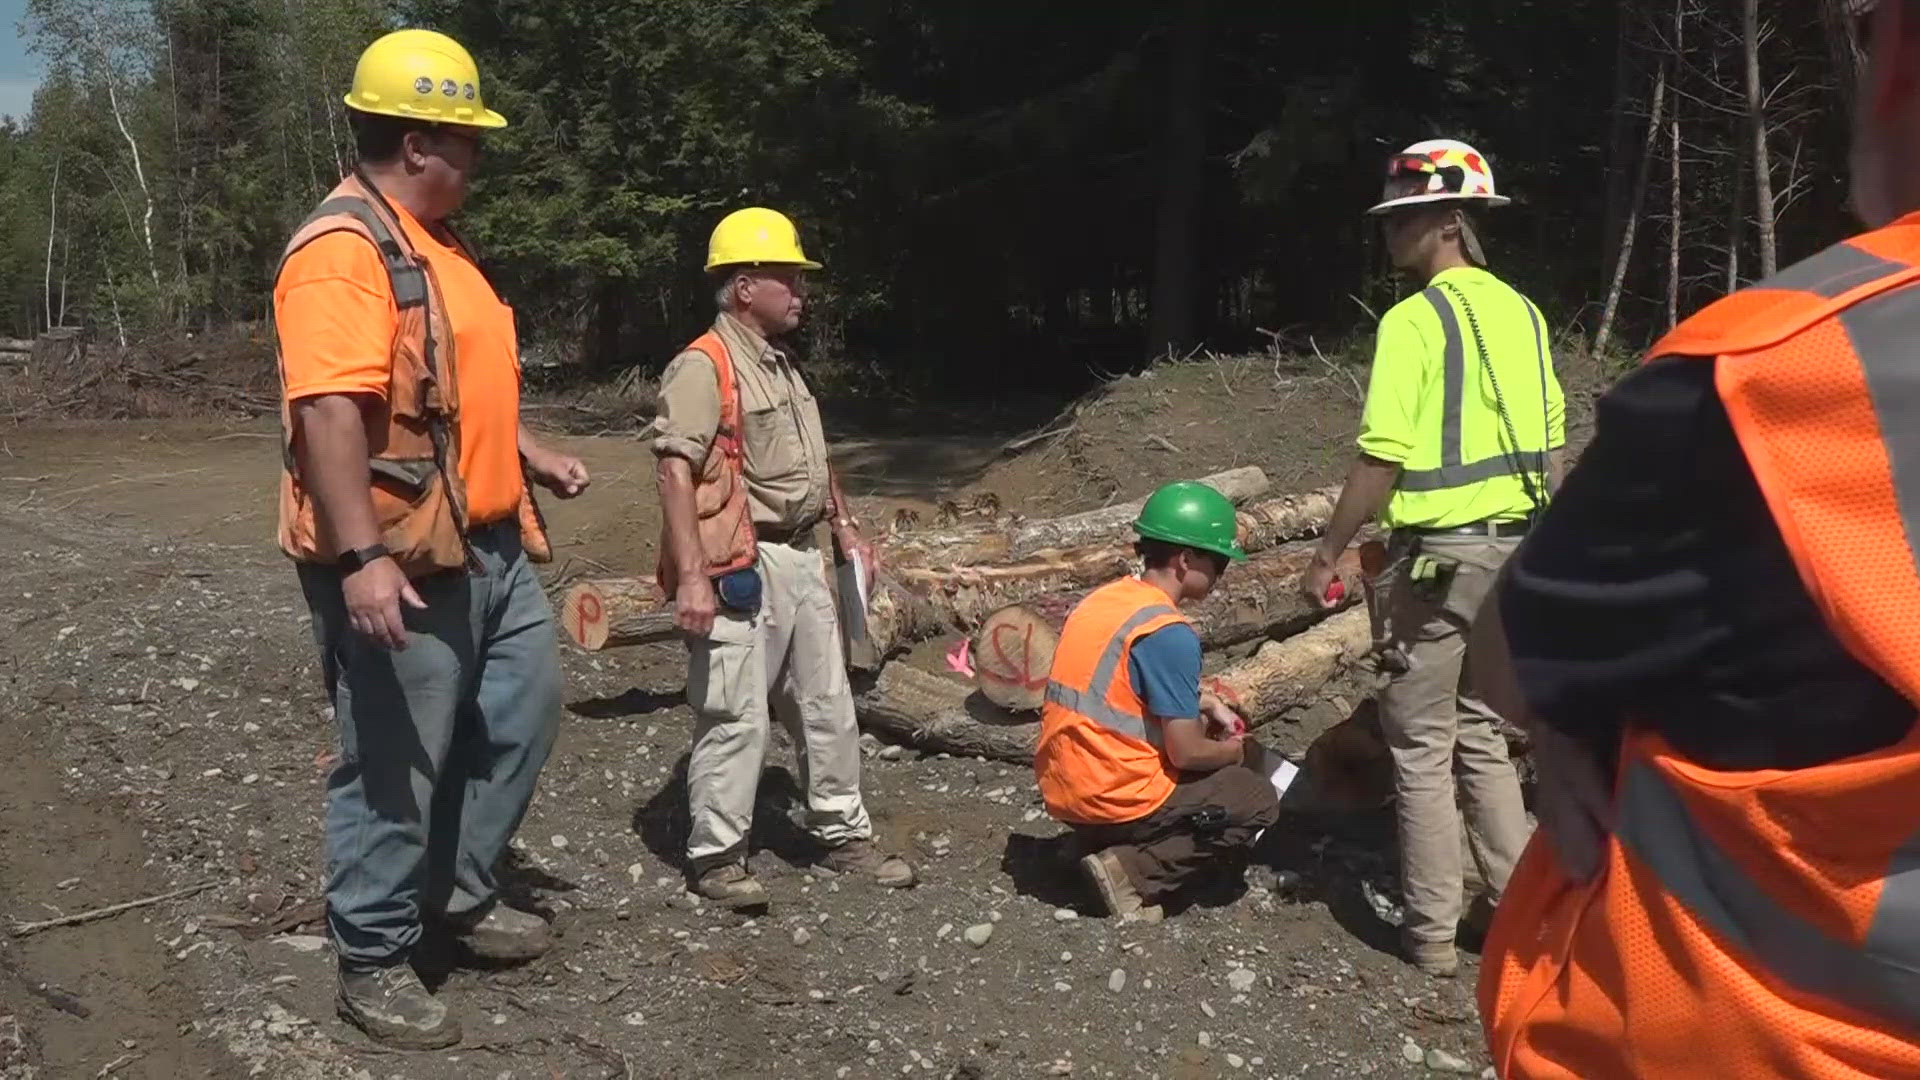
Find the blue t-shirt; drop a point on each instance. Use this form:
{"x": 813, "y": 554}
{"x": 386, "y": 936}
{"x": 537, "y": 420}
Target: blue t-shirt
{"x": 1164, "y": 668}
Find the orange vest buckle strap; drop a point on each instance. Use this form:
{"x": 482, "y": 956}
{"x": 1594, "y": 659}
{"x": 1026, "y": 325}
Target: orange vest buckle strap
{"x": 1092, "y": 702}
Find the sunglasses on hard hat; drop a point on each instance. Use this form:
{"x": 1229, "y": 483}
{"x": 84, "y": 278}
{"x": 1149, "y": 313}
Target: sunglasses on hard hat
{"x": 1413, "y": 174}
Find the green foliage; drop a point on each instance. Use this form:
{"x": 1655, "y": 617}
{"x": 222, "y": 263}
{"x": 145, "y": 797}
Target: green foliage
{"x": 987, "y": 183}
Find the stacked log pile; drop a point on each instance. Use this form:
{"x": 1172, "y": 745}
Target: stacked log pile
{"x": 1005, "y": 588}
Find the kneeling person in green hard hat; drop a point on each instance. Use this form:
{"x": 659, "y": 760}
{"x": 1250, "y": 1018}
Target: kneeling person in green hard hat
{"x": 1151, "y": 774}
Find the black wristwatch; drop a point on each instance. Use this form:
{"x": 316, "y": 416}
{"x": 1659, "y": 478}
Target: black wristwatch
{"x": 351, "y": 561}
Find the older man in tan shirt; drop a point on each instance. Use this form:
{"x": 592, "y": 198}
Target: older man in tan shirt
{"x": 744, "y": 484}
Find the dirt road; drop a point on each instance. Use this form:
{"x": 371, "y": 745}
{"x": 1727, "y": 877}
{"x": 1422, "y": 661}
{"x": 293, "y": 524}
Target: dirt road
{"x": 164, "y": 727}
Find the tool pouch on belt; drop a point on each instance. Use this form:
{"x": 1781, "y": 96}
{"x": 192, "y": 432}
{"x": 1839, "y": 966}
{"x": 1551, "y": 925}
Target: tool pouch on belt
{"x": 739, "y": 591}
{"x": 1432, "y": 576}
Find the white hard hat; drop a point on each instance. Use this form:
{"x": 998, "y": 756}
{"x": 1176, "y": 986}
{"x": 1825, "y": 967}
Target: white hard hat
{"x": 1437, "y": 170}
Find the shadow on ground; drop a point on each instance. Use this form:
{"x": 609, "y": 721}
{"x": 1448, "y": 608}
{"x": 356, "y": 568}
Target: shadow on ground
{"x": 664, "y": 821}
{"x": 631, "y": 702}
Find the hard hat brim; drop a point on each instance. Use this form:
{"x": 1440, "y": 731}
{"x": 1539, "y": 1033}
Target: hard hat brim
{"x": 486, "y": 120}
{"x": 1232, "y": 552}
{"x": 1443, "y": 196}
{"x": 803, "y": 264}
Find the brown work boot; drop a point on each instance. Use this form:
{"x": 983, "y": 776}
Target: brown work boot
{"x": 861, "y": 857}
{"x": 1118, "y": 897}
{"x": 504, "y": 934}
{"x": 1435, "y": 958}
{"x": 732, "y": 885}
{"x": 391, "y": 1006}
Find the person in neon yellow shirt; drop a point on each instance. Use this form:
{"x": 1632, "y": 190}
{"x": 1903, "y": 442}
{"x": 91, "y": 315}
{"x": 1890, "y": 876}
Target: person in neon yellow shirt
{"x": 1460, "y": 446}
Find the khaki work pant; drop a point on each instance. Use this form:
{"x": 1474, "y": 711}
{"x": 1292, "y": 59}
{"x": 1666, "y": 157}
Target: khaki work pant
{"x": 1441, "y": 735}
{"x": 788, "y": 656}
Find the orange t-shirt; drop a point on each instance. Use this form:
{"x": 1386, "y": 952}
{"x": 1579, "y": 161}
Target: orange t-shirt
{"x": 334, "y": 308}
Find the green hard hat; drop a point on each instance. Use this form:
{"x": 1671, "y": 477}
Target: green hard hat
{"x": 1192, "y": 515}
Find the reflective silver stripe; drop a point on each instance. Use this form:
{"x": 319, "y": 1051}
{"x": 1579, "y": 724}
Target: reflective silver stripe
{"x": 1452, "y": 476}
{"x": 1881, "y": 977}
{"x": 1883, "y": 330}
{"x": 1454, "y": 375}
{"x": 409, "y": 282}
{"x": 1832, "y": 272}
{"x": 1092, "y": 703}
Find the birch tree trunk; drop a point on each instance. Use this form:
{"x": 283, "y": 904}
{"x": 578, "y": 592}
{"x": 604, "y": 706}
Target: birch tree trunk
{"x": 1757, "y": 127}
{"x": 1654, "y": 111}
{"x": 1673, "y": 187}
{"x": 139, "y": 170}
{"x": 53, "y": 219}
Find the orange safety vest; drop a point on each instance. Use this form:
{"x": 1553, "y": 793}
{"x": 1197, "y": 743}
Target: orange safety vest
{"x": 1099, "y": 761}
{"x": 1761, "y": 924}
{"x": 413, "y": 440}
{"x": 720, "y": 486}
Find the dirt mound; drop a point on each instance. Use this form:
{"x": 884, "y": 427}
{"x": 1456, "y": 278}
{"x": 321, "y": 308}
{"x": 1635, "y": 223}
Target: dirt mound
{"x": 1295, "y": 417}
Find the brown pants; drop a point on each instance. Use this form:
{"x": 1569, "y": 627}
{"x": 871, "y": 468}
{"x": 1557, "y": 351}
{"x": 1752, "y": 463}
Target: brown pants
{"x": 1163, "y": 851}
{"x": 1443, "y": 738}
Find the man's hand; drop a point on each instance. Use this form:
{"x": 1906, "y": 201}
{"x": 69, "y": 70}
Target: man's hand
{"x": 374, "y": 594}
{"x": 694, "y": 605}
{"x": 1222, "y": 721}
{"x": 1575, "y": 802}
{"x": 562, "y": 474}
{"x": 856, "y": 547}
{"x": 1318, "y": 579}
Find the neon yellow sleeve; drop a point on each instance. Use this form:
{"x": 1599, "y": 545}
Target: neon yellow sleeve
{"x": 1402, "y": 360}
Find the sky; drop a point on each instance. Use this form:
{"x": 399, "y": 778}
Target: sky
{"x": 19, "y": 71}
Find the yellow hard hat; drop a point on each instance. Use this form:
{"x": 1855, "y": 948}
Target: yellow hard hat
{"x": 756, "y": 235}
{"x": 421, "y": 75}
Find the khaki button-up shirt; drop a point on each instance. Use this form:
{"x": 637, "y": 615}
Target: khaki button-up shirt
{"x": 786, "y": 448}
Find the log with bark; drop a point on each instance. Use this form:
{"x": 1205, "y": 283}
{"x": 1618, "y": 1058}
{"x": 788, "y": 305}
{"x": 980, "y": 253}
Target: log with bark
{"x": 1013, "y": 647}
{"x": 943, "y": 714}
{"x": 607, "y": 613}
{"x": 1240, "y": 485}
{"x": 1284, "y": 673}
{"x": 999, "y": 542}
{"x": 604, "y": 613}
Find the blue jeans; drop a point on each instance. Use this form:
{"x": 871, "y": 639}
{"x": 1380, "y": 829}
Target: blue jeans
{"x": 441, "y": 744}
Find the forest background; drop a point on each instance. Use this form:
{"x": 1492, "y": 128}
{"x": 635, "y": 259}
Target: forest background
{"x": 1008, "y": 197}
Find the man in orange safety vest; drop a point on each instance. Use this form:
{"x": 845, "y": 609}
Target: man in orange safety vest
{"x": 1712, "y": 637}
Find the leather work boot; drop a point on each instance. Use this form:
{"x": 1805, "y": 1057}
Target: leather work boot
{"x": 1435, "y": 958}
{"x": 861, "y": 857}
{"x": 1115, "y": 889}
{"x": 732, "y": 885}
{"x": 391, "y": 1006}
{"x": 505, "y": 934}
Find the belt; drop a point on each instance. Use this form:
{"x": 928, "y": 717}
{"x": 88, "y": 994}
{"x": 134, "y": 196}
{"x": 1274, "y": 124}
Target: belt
{"x": 1497, "y": 530}
{"x": 800, "y": 536}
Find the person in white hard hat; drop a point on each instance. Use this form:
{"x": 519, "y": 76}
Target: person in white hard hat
{"x": 1458, "y": 449}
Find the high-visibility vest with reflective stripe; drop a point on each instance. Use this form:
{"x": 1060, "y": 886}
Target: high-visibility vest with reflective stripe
{"x": 1762, "y": 924}
{"x": 1099, "y": 760}
{"x": 1467, "y": 460}
{"x": 413, "y": 431}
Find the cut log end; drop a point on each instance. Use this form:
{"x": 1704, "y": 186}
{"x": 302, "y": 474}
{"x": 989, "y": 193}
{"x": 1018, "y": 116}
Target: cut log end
{"x": 1012, "y": 653}
{"x": 610, "y": 612}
